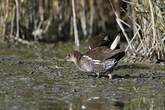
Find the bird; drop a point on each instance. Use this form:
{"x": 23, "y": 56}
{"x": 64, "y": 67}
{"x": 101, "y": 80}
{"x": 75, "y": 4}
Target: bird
{"x": 99, "y": 60}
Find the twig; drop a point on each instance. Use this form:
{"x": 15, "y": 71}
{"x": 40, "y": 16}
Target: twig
{"x": 47, "y": 24}
{"x": 130, "y": 2}
{"x": 91, "y": 19}
{"x": 83, "y": 18}
{"x": 135, "y": 34}
{"x": 18, "y": 17}
{"x": 12, "y": 22}
{"x": 118, "y": 20}
{"x": 125, "y": 23}
{"x": 141, "y": 42}
{"x": 153, "y": 23}
{"x": 75, "y": 26}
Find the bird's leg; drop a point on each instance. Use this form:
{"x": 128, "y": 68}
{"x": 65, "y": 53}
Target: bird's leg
{"x": 109, "y": 76}
{"x": 97, "y": 75}
{"x": 108, "y": 73}
{"x": 111, "y": 70}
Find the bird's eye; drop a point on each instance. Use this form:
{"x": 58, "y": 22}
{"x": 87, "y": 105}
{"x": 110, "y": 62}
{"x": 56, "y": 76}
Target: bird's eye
{"x": 68, "y": 55}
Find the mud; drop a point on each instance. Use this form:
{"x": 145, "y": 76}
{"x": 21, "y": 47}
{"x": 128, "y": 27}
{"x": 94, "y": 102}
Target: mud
{"x": 37, "y": 78}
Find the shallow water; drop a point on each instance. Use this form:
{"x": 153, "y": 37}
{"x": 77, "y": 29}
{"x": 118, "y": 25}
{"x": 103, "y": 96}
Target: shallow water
{"x": 37, "y": 78}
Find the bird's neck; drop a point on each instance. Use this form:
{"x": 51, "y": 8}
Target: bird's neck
{"x": 77, "y": 55}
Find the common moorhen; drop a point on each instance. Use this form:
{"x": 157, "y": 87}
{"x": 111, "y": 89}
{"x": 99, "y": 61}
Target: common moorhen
{"x": 98, "y": 60}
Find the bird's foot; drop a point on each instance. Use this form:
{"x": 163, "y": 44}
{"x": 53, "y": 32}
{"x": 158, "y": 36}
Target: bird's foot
{"x": 97, "y": 75}
{"x": 110, "y": 76}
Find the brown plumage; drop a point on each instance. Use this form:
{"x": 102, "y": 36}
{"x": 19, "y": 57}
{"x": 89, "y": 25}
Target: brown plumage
{"x": 103, "y": 53}
{"x": 97, "y": 60}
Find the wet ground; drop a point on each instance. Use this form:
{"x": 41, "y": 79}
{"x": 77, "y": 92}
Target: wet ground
{"x": 37, "y": 78}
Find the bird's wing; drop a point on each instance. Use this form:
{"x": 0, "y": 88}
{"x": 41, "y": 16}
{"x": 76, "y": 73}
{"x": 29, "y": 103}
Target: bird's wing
{"x": 103, "y": 53}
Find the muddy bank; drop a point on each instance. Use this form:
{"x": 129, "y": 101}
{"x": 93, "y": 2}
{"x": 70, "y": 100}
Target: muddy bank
{"x": 37, "y": 77}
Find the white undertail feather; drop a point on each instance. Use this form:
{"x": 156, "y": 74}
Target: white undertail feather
{"x": 115, "y": 42}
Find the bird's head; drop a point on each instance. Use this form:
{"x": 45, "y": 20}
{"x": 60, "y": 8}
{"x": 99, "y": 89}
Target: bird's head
{"x": 73, "y": 56}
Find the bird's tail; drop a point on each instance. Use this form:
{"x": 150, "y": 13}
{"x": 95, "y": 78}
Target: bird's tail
{"x": 115, "y": 42}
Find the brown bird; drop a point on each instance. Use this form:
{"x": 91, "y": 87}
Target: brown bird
{"x": 99, "y": 60}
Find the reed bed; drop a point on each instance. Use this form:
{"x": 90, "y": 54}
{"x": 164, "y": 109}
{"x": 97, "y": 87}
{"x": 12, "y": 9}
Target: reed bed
{"x": 148, "y": 24}
{"x": 59, "y": 20}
